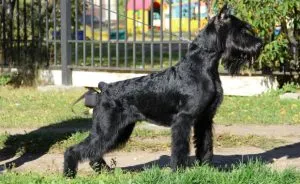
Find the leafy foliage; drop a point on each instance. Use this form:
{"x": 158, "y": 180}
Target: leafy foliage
{"x": 4, "y": 79}
{"x": 265, "y": 16}
{"x": 290, "y": 87}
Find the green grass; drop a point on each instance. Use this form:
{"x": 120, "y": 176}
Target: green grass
{"x": 229, "y": 141}
{"x": 146, "y": 133}
{"x": 29, "y": 108}
{"x": 253, "y": 172}
{"x": 265, "y": 109}
{"x": 4, "y": 79}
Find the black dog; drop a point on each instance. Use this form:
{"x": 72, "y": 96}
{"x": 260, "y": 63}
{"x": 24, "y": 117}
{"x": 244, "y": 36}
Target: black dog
{"x": 183, "y": 96}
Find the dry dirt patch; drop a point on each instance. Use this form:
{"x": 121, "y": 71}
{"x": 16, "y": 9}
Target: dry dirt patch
{"x": 280, "y": 157}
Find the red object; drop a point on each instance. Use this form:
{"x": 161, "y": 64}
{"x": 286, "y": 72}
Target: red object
{"x": 139, "y": 4}
{"x": 156, "y": 5}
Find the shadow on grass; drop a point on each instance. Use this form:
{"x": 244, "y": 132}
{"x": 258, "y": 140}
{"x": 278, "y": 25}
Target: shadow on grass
{"x": 226, "y": 162}
{"x": 36, "y": 143}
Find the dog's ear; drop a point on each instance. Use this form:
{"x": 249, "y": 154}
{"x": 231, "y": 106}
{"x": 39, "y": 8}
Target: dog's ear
{"x": 224, "y": 12}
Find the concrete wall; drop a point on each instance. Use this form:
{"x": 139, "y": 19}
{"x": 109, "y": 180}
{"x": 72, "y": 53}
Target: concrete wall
{"x": 247, "y": 86}
{"x": 239, "y": 86}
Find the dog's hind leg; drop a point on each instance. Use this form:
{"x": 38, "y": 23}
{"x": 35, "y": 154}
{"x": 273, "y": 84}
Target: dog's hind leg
{"x": 123, "y": 136}
{"x": 97, "y": 164}
{"x": 92, "y": 148}
{"x": 77, "y": 153}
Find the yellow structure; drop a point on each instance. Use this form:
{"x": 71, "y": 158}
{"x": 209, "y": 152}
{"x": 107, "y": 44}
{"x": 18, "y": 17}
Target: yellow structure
{"x": 142, "y": 11}
{"x": 97, "y": 35}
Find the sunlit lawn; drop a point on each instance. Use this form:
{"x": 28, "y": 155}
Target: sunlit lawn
{"x": 28, "y": 107}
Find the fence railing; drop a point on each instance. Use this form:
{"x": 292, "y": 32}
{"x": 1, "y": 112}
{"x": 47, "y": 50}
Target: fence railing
{"x": 140, "y": 35}
{"x": 135, "y": 35}
{"x": 123, "y": 35}
{"x": 21, "y": 32}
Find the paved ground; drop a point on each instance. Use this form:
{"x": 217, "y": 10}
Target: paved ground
{"x": 281, "y": 157}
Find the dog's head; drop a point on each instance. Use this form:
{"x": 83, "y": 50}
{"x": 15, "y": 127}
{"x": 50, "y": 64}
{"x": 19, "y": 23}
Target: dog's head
{"x": 235, "y": 40}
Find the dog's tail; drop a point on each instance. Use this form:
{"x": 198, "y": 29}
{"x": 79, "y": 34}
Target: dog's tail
{"x": 90, "y": 97}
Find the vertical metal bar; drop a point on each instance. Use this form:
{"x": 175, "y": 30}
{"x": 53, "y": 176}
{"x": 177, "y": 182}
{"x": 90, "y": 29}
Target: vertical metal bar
{"x": 126, "y": 32}
{"x": 40, "y": 30}
{"x": 170, "y": 34}
{"x": 65, "y": 37}
{"x": 32, "y": 32}
{"x": 161, "y": 34}
{"x": 134, "y": 36}
{"x": 100, "y": 42}
{"x": 4, "y": 31}
{"x": 25, "y": 27}
{"x": 18, "y": 32}
{"x": 84, "y": 33}
{"x": 152, "y": 35}
{"x": 47, "y": 33}
{"x": 54, "y": 29}
{"x": 1, "y": 24}
{"x": 199, "y": 15}
{"x": 76, "y": 32}
{"x": 208, "y": 4}
{"x": 109, "y": 32}
{"x": 33, "y": 38}
{"x": 180, "y": 28}
{"x": 93, "y": 38}
{"x": 143, "y": 36}
{"x": 189, "y": 21}
{"x": 11, "y": 43}
{"x": 117, "y": 43}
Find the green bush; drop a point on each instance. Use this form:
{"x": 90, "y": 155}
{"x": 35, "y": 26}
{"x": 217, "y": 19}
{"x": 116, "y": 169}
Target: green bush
{"x": 4, "y": 79}
{"x": 290, "y": 87}
{"x": 265, "y": 15}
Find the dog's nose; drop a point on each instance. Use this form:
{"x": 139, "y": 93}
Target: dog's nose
{"x": 260, "y": 43}
{"x": 248, "y": 26}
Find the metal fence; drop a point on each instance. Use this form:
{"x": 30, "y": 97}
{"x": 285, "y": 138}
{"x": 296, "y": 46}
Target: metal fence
{"x": 131, "y": 34}
{"x": 21, "y": 36}
{"x": 123, "y": 35}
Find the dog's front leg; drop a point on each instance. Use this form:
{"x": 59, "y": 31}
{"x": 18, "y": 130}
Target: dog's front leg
{"x": 180, "y": 141}
{"x": 203, "y": 128}
{"x": 203, "y": 139}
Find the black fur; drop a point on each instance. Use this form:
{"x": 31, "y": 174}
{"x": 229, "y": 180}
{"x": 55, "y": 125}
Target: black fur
{"x": 183, "y": 96}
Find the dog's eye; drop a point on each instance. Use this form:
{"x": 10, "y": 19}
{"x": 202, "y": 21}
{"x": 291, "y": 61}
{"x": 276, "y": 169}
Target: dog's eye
{"x": 249, "y": 31}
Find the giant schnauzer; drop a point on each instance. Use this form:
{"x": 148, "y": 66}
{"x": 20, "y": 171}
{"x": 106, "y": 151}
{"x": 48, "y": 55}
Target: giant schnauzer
{"x": 183, "y": 96}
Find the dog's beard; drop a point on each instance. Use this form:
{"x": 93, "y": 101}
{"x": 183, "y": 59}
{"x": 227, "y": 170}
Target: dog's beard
{"x": 234, "y": 64}
{"x": 237, "y": 55}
